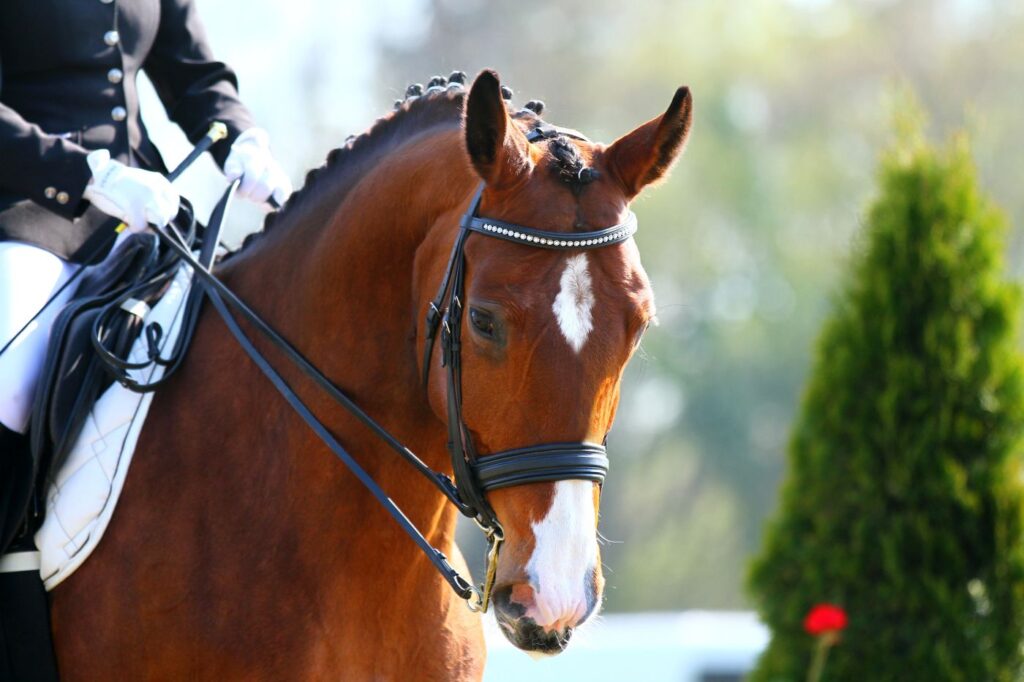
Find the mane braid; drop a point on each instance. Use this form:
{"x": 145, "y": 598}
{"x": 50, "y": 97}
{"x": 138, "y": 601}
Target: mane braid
{"x": 568, "y": 164}
{"x": 416, "y": 113}
{"x": 419, "y": 111}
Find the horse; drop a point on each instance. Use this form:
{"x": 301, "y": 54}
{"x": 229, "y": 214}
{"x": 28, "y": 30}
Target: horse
{"x": 242, "y": 550}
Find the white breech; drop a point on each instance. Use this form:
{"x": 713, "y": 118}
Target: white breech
{"x": 28, "y": 277}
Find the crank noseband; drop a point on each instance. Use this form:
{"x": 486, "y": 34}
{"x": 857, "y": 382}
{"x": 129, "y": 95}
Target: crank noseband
{"x": 555, "y": 462}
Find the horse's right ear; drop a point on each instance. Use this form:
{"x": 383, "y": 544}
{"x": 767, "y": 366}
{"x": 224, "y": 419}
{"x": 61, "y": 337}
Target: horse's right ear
{"x": 497, "y": 148}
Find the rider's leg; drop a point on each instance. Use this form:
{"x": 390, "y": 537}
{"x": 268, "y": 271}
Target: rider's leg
{"x": 26, "y": 648}
{"x": 26, "y": 645}
{"x": 15, "y": 470}
{"x": 28, "y": 277}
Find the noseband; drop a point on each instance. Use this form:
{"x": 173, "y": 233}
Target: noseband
{"x": 474, "y": 474}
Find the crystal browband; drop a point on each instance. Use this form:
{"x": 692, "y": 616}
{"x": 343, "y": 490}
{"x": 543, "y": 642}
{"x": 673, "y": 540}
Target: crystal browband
{"x": 554, "y": 240}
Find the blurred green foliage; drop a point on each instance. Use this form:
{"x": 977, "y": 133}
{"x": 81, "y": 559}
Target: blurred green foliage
{"x": 744, "y": 242}
{"x": 904, "y": 499}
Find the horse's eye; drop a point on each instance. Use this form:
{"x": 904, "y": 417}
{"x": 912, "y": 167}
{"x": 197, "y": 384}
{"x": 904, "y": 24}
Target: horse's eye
{"x": 482, "y": 321}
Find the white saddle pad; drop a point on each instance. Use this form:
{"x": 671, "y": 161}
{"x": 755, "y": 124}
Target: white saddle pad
{"x": 82, "y": 497}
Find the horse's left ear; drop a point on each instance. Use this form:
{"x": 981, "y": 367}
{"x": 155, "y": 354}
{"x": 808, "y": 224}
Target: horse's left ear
{"x": 645, "y": 155}
{"x": 498, "y": 149}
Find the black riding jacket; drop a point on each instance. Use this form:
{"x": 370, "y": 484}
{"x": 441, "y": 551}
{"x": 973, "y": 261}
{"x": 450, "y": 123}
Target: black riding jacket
{"x": 67, "y": 86}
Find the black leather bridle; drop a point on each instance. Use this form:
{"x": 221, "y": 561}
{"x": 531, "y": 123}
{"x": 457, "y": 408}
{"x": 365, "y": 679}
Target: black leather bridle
{"x": 474, "y": 474}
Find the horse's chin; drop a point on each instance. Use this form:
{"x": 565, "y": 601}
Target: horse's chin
{"x": 525, "y": 634}
{"x": 538, "y": 655}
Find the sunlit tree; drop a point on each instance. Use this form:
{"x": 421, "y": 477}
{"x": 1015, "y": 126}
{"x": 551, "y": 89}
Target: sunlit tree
{"x": 903, "y": 502}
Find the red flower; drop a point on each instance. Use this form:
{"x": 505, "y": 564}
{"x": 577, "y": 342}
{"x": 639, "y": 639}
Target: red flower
{"x": 825, "y": 618}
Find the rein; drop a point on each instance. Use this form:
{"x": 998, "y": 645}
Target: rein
{"x": 474, "y": 474}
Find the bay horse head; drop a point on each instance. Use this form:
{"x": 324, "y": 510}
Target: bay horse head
{"x": 545, "y": 336}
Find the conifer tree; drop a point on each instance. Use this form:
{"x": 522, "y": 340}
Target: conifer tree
{"x": 903, "y": 501}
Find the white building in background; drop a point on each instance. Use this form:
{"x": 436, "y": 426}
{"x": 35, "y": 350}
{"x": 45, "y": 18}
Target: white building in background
{"x": 690, "y": 646}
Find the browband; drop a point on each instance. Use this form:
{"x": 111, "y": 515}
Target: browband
{"x": 554, "y": 240}
{"x": 543, "y": 238}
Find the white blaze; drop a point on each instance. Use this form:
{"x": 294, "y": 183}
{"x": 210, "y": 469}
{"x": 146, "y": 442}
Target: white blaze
{"x": 574, "y": 302}
{"x": 564, "y": 554}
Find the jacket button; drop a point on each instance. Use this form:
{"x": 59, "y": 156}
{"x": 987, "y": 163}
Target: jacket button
{"x": 50, "y": 192}
{"x": 118, "y": 113}
{"x": 62, "y": 197}
{"x": 111, "y": 38}
{"x": 115, "y": 75}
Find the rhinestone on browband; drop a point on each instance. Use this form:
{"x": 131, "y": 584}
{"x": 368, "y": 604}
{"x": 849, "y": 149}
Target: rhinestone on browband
{"x": 556, "y": 240}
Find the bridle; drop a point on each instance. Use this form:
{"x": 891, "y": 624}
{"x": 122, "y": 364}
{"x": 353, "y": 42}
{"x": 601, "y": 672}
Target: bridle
{"x": 474, "y": 474}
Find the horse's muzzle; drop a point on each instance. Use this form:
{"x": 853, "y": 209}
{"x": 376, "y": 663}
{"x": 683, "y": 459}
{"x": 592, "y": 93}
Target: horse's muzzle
{"x": 526, "y": 633}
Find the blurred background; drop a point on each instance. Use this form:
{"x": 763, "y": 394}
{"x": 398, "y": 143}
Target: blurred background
{"x": 744, "y": 243}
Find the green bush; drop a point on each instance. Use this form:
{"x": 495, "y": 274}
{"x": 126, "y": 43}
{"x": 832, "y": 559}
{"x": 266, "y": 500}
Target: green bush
{"x": 903, "y": 501}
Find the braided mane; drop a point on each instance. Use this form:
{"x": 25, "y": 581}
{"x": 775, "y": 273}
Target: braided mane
{"x": 414, "y": 114}
{"x": 440, "y": 103}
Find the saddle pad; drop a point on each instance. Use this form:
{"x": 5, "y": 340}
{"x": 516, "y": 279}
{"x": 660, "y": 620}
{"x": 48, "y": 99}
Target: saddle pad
{"x": 82, "y": 495}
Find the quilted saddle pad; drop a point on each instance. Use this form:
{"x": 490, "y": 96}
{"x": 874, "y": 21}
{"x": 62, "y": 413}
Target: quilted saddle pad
{"x": 83, "y": 494}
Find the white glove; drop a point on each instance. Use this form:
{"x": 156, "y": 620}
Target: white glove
{"x": 138, "y": 197}
{"x": 250, "y": 159}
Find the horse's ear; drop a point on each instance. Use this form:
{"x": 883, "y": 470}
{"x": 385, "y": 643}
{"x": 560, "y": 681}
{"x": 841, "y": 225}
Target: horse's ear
{"x": 645, "y": 155}
{"x": 497, "y": 148}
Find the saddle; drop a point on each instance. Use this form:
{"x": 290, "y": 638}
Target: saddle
{"x": 99, "y": 387}
{"x": 92, "y": 334}
{"x": 73, "y": 375}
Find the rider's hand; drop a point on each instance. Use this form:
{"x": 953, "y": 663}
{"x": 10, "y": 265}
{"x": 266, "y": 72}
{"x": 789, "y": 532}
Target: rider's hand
{"x": 250, "y": 159}
{"x": 138, "y": 197}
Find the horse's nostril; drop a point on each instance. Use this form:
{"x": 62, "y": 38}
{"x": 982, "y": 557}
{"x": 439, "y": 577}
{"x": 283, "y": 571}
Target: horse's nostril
{"x": 501, "y": 595}
{"x": 502, "y": 598}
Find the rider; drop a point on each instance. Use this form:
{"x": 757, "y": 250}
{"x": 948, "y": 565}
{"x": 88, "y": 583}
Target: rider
{"x": 74, "y": 152}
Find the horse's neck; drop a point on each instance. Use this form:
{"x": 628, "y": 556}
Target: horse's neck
{"x": 342, "y": 293}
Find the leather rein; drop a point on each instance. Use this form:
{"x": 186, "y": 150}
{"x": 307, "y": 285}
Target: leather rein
{"x": 474, "y": 474}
